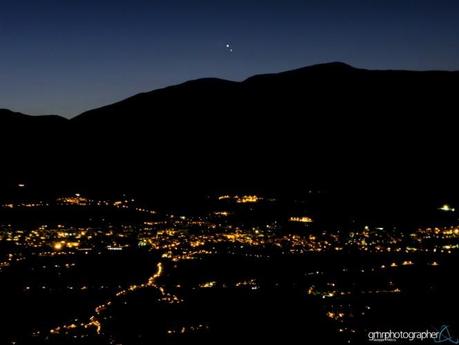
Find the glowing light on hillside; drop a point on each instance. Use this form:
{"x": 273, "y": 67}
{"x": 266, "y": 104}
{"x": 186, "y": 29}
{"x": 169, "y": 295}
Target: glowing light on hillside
{"x": 303, "y": 219}
{"x": 447, "y": 208}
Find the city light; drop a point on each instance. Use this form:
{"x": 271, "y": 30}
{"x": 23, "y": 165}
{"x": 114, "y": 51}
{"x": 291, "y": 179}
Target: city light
{"x": 302, "y": 219}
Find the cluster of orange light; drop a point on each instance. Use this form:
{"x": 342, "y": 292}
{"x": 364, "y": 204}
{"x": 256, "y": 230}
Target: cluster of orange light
{"x": 303, "y": 219}
{"x": 241, "y": 199}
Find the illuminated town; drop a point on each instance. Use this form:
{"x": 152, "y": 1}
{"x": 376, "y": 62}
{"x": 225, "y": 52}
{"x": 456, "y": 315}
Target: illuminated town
{"x": 229, "y": 172}
{"x": 92, "y": 278}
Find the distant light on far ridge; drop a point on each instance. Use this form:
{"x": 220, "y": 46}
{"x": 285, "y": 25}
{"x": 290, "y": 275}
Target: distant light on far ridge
{"x": 303, "y": 219}
{"x": 447, "y": 208}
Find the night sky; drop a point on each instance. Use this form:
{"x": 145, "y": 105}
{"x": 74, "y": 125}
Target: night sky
{"x": 64, "y": 57}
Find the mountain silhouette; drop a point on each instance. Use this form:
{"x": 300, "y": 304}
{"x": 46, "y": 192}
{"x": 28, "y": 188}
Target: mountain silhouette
{"x": 10, "y": 118}
{"x": 330, "y": 123}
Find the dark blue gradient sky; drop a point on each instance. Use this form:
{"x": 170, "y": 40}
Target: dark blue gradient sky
{"x": 67, "y": 56}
